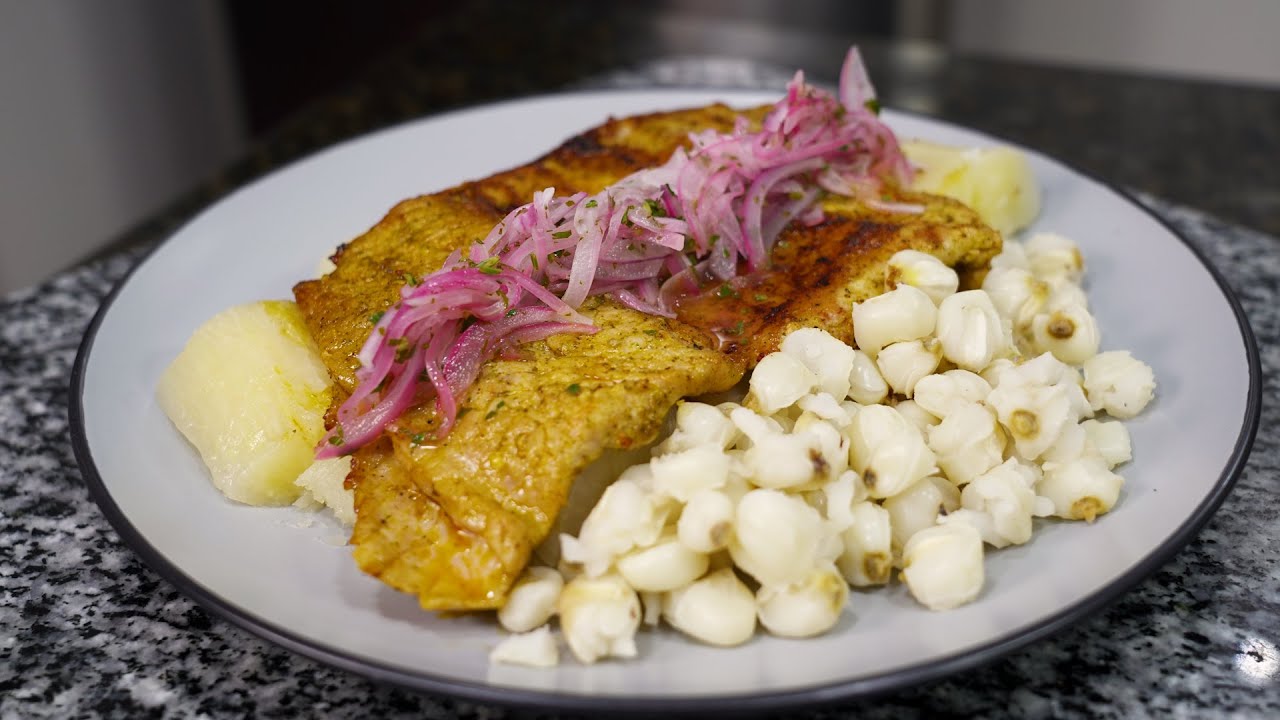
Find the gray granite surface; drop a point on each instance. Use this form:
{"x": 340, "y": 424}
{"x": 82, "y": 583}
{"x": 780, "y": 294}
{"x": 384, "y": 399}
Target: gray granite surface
{"x": 87, "y": 629}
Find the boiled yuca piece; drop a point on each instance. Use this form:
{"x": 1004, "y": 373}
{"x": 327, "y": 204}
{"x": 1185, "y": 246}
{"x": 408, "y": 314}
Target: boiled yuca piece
{"x": 249, "y": 391}
{"x": 996, "y": 182}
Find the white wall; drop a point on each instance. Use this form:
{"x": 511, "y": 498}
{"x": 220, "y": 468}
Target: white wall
{"x": 110, "y": 110}
{"x": 1237, "y": 40}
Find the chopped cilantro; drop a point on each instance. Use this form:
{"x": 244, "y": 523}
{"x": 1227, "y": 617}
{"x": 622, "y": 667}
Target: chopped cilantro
{"x": 374, "y": 318}
{"x": 574, "y": 389}
{"x": 561, "y": 235}
{"x": 726, "y": 291}
{"x": 490, "y": 266}
{"x": 873, "y": 105}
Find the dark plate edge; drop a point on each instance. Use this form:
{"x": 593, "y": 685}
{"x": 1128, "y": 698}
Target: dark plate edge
{"x": 810, "y": 697}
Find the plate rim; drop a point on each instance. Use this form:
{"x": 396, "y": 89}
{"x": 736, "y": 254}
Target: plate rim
{"x": 804, "y": 697}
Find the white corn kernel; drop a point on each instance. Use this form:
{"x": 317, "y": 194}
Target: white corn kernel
{"x": 887, "y": 451}
{"x": 778, "y": 460}
{"x": 828, "y": 408}
{"x": 599, "y": 617}
{"x": 866, "y": 384}
{"x": 918, "y": 416}
{"x": 532, "y": 600}
{"x": 1005, "y": 493}
{"x": 625, "y": 516}
{"x": 971, "y": 331}
{"x": 1054, "y": 256}
{"x": 1110, "y": 439}
{"x": 900, "y": 315}
{"x": 942, "y": 565}
{"x": 1081, "y": 489}
{"x": 967, "y": 443}
{"x": 1016, "y": 294}
{"x": 1072, "y": 442}
{"x": 680, "y": 474}
{"x": 777, "y": 537}
{"x": 719, "y": 609}
{"x": 1070, "y": 333}
{"x": 706, "y": 523}
{"x": 1117, "y": 382}
{"x": 839, "y": 497}
{"x": 535, "y": 649}
{"x": 699, "y": 424}
{"x": 995, "y": 372}
{"x": 903, "y": 364}
{"x": 1033, "y": 415}
{"x": 666, "y": 565}
{"x": 919, "y": 506}
{"x": 1063, "y": 293}
{"x": 828, "y": 358}
{"x": 806, "y": 608}
{"x": 868, "y": 546}
{"x": 923, "y": 271}
{"x": 942, "y": 393}
{"x": 778, "y": 381}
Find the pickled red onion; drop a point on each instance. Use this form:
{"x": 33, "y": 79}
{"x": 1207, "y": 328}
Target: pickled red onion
{"x": 707, "y": 214}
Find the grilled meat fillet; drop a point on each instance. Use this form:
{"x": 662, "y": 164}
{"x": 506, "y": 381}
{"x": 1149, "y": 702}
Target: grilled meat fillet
{"x": 455, "y": 522}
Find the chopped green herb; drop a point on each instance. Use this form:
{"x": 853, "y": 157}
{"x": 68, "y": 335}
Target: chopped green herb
{"x": 374, "y": 318}
{"x": 726, "y": 291}
{"x": 338, "y": 437}
{"x": 590, "y": 203}
{"x": 490, "y": 266}
{"x": 495, "y": 410}
{"x": 561, "y": 235}
{"x": 651, "y": 332}
{"x": 418, "y": 438}
{"x": 873, "y": 105}
{"x": 626, "y": 216}
{"x": 411, "y": 279}
{"x": 574, "y": 389}
{"x": 463, "y": 411}
{"x": 737, "y": 328}
{"x": 655, "y": 208}
{"x": 760, "y": 297}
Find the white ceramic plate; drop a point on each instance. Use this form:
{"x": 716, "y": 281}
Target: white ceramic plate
{"x": 293, "y": 585}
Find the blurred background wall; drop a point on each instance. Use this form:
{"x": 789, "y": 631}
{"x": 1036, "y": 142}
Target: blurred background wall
{"x": 111, "y": 110}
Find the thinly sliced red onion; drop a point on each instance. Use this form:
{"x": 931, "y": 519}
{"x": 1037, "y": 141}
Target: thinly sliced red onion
{"x": 706, "y": 214}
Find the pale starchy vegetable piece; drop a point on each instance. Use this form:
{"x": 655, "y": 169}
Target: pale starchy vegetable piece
{"x": 866, "y": 384}
{"x": 1033, "y": 415}
{"x": 942, "y": 565}
{"x": 997, "y": 182}
{"x": 918, "y": 416}
{"x": 1012, "y": 255}
{"x": 1006, "y": 493}
{"x": 1110, "y": 439}
{"x": 839, "y": 497}
{"x": 718, "y": 609}
{"x": 681, "y": 474}
{"x": 919, "y": 506}
{"x": 249, "y": 391}
{"x": 1070, "y": 333}
{"x": 706, "y": 522}
{"x": 532, "y": 600}
{"x": 1072, "y": 442}
{"x": 1081, "y": 489}
{"x": 776, "y": 458}
{"x": 1064, "y": 292}
{"x": 1118, "y": 383}
{"x": 536, "y": 649}
{"x": 967, "y": 443}
{"x": 903, "y": 364}
{"x": 777, "y": 537}
{"x": 626, "y": 516}
{"x": 323, "y": 481}
{"x": 903, "y": 314}
{"x": 663, "y": 566}
{"x": 887, "y": 451}
{"x": 599, "y": 617}
{"x": 699, "y": 424}
{"x": 830, "y": 360}
{"x": 921, "y": 270}
{"x": 1053, "y": 256}
{"x": 778, "y": 381}
{"x": 942, "y": 393}
{"x": 868, "y": 546}
{"x": 1017, "y": 294}
{"x": 971, "y": 332}
{"x": 806, "y": 608}
{"x": 828, "y": 408}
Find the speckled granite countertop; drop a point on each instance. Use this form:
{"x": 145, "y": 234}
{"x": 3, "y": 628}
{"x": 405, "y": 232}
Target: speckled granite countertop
{"x": 86, "y": 629}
